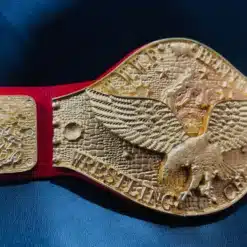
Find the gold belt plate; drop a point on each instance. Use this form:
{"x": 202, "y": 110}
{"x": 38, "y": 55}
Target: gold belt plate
{"x": 167, "y": 128}
{"x": 18, "y": 134}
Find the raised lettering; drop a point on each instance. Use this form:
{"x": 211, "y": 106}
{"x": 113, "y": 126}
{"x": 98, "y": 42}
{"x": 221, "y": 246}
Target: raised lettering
{"x": 120, "y": 181}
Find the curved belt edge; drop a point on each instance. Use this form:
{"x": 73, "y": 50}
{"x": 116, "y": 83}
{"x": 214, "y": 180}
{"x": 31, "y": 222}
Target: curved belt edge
{"x": 58, "y": 130}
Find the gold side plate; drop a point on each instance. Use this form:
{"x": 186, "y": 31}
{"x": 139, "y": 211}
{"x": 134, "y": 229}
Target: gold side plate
{"x": 167, "y": 128}
{"x": 18, "y": 134}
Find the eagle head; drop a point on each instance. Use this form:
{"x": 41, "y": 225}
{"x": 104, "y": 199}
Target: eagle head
{"x": 184, "y": 154}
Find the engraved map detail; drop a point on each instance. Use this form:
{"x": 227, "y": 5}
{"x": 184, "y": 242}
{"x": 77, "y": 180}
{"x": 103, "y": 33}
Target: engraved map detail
{"x": 18, "y": 141}
{"x": 166, "y": 128}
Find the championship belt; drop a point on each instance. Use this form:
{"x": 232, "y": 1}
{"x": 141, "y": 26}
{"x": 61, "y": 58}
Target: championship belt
{"x": 165, "y": 128}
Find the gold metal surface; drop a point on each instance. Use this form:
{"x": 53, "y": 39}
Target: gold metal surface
{"x": 167, "y": 128}
{"x": 18, "y": 137}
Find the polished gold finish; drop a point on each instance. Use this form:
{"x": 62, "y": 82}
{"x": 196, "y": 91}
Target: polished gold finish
{"x": 18, "y": 134}
{"x": 167, "y": 129}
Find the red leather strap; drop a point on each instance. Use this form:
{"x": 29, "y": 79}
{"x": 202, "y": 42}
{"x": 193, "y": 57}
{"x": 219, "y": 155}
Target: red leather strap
{"x": 43, "y": 98}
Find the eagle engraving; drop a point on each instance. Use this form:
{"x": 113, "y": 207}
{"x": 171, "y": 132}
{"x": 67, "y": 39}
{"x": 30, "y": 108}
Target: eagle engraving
{"x": 151, "y": 124}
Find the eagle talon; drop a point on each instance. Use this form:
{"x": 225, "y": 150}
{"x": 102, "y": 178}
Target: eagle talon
{"x": 184, "y": 194}
{"x": 129, "y": 118}
{"x": 204, "y": 190}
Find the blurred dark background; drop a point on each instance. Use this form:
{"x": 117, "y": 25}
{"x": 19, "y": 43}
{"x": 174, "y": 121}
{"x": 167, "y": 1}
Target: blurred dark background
{"x": 50, "y": 42}
{"x": 45, "y": 42}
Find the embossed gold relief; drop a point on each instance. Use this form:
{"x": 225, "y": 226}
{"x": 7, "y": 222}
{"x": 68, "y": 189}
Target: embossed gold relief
{"x": 18, "y": 141}
{"x": 167, "y": 128}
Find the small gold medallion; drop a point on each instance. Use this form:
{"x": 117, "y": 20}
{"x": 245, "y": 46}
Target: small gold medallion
{"x": 18, "y": 134}
{"x": 167, "y": 128}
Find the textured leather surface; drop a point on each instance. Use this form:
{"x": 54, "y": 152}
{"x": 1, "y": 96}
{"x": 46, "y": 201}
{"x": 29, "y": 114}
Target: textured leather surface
{"x": 45, "y": 42}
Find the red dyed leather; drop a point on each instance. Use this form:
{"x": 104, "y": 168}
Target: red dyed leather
{"x": 43, "y": 98}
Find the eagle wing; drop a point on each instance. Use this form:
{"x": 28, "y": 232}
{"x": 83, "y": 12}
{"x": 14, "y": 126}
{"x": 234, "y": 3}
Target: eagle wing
{"x": 144, "y": 122}
{"x": 227, "y": 125}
